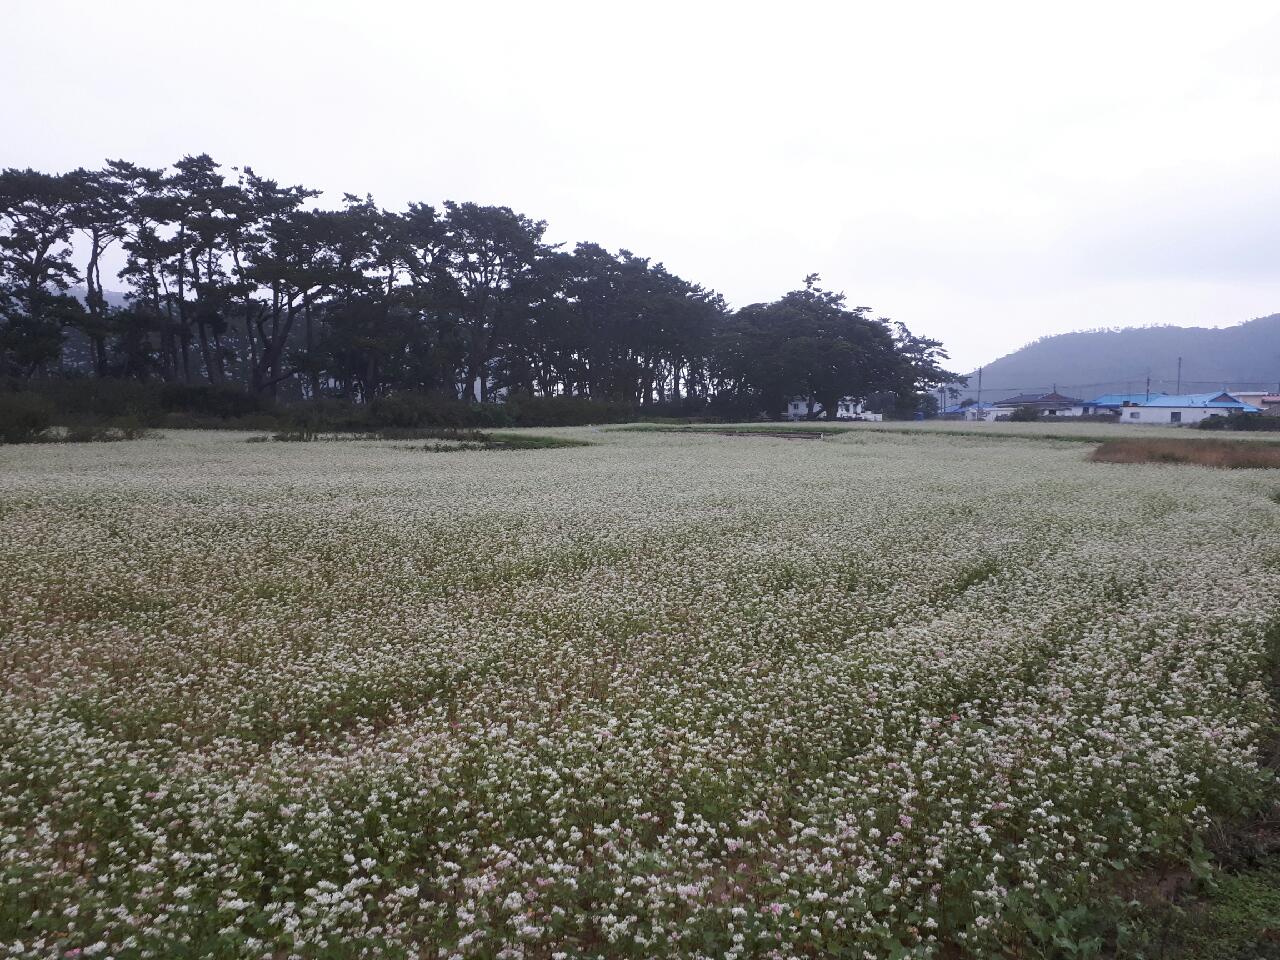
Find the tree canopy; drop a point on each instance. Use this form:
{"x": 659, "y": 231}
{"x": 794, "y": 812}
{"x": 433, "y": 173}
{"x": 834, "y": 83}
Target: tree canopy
{"x": 233, "y": 278}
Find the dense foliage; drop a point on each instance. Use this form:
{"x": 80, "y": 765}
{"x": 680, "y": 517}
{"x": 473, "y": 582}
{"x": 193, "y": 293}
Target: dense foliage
{"x": 661, "y": 696}
{"x": 242, "y": 280}
{"x": 1248, "y": 422}
{"x": 49, "y": 410}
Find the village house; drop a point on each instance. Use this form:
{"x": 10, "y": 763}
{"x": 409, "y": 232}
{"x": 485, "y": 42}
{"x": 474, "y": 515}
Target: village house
{"x": 1180, "y": 408}
{"x": 972, "y": 410}
{"x": 1268, "y": 401}
{"x": 847, "y": 409}
{"x": 1052, "y": 404}
{"x": 1114, "y": 403}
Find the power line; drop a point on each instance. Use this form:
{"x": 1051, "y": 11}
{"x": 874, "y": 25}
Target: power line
{"x": 1219, "y": 383}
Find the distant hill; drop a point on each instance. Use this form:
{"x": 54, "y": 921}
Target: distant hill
{"x": 77, "y": 353}
{"x": 116, "y": 299}
{"x": 1092, "y": 362}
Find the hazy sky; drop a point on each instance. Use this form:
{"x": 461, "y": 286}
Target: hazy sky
{"x": 987, "y": 173}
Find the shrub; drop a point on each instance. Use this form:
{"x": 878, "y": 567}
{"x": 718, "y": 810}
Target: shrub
{"x": 328, "y": 414}
{"x": 129, "y": 428}
{"x": 431, "y": 433}
{"x": 88, "y": 433}
{"x": 566, "y": 411}
{"x": 226, "y": 402}
{"x": 1241, "y": 421}
{"x": 77, "y": 400}
{"x": 292, "y": 435}
{"x": 190, "y": 421}
{"x": 419, "y": 410}
{"x": 121, "y": 428}
{"x": 74, "y": 400}
{"x": 24, "y": 418}
{"x": 90, "y": 403}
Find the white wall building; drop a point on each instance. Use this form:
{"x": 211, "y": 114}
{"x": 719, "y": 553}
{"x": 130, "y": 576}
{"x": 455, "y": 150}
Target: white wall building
{"x": 1183, "y": 408}
{"x": 974, "y": 412}
{"x": 847, "y": 409}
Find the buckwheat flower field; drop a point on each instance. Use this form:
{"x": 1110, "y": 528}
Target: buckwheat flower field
{"x": 881, "y": 695}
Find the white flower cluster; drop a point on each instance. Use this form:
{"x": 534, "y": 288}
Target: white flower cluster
{"x": 662, "y": 696}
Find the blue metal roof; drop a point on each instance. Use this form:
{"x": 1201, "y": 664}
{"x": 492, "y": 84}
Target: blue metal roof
{"x": 1206, "y": 400}
{"x": 1210, "y": 400}
{"x": 1124, "y": 399}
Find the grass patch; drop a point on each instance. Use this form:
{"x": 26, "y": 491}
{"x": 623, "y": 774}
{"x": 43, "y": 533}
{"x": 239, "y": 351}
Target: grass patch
{"x": 446, "y": 439}
{"x": 1237, "y": 919}
{"x": 525, "y": 441}
{"x": 829, "y": 428}
{"x": 785, "y": 433}
{"x": 1224, "y": 454}
{"x": 746, "y": 428}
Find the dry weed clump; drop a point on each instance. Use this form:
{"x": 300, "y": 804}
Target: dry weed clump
{"x": 1226, "y": 454}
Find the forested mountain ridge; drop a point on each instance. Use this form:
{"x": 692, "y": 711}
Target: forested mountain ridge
{"x": 1088, "y": 363}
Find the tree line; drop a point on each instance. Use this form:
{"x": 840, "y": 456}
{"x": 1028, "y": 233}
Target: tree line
{"x": 231, "y": 278}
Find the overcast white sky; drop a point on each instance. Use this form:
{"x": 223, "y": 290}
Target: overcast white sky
{"x": 987, "y": 173}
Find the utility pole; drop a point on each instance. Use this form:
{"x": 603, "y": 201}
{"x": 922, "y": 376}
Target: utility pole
{"x": 1148, "y": 389}
{"x": 1179, "y": 388}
